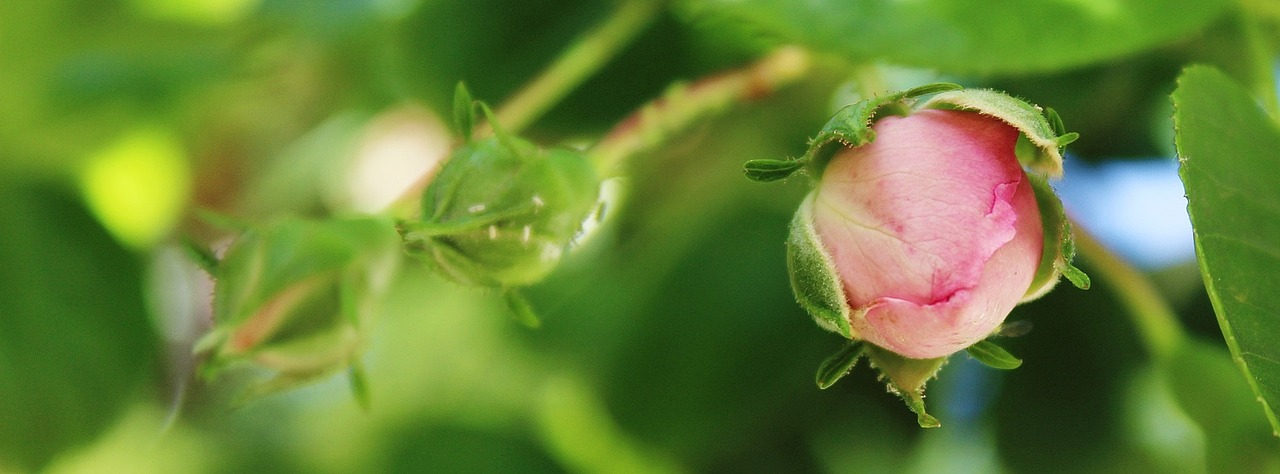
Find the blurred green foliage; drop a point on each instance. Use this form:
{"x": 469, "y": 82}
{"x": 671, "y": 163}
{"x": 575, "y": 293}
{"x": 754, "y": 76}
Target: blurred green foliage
{"x": 670, "y": 341}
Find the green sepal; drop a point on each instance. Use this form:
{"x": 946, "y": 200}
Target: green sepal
{"x": 838, "y": 365}
{"x": 222, "y": 222}
{"x": 1067, "y": 255}
{"x": 521, "y": 311}
{"x": 992, "y": 355}
{"x": 851, "y": 125}
{"x": 1059, "y": 246}
{"x": 814, "y": 279}
{"x": 906, "y": 378}
{"x": 464, "y": 111}
{"x": 294, "y": 297}
{"x": 1044, "y": 132}
{"x": 1055, "y": 121}
{"x": 514, "y": 145}
{"x": 771, "y": 170}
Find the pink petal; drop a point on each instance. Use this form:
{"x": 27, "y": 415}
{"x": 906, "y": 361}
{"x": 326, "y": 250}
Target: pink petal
{"x": 921, "y": 225}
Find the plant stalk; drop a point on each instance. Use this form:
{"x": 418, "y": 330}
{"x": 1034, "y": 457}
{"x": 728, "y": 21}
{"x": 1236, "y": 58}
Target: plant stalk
{"x": 660, "y": 120}
{"x": 587, "y": 55}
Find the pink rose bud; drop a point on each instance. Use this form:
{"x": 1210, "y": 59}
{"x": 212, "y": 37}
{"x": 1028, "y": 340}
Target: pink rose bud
{"x": 933, "y": 229}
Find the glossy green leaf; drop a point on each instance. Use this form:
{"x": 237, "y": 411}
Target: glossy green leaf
{"x": 994, "y": 356}
{"x": 1230, "y": 156}
{"x": 1209, "y": 389}
{"x": 971, "y": 36}
{"x": 75, "y": 339}
{"x": 838, "y": 365}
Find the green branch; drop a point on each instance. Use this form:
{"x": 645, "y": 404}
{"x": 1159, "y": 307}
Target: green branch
{"x": 661, "y": 119}
{"x": 588, "y": 54}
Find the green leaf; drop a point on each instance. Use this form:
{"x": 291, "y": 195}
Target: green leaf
{"x": 1230, "y": 167}
{"x": 1209, "y": 389}
{"x": 839, "y": 364}
{"x": 814, "y": 279}
{"x": 76, "y": 341}
{"x": 969, "y": 36}
{"x": 771, "y": 170}
{"x": 464, "y": 111}
{"x": 993, "y": 355}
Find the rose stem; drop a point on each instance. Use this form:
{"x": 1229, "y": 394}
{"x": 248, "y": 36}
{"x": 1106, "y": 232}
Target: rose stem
{"x": 683, "y": 104}
{"x": 1157, "y": 324}
{"x": 587, "y": 55}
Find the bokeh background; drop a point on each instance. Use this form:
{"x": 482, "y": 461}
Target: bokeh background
{"x": 670, "y": 340}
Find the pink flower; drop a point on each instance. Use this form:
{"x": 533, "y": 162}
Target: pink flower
{"x": 933, "y": 228}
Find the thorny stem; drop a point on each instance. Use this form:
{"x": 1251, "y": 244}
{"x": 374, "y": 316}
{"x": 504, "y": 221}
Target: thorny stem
{"x": 588, "y": 53}
{"x": 1157, "y": 324}
{"x": 658, "y": 121}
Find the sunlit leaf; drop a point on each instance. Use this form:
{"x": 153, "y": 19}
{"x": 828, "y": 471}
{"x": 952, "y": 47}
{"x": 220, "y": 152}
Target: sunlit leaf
{"x": 972, "y": 36}
{"x": 1230, "y": 154}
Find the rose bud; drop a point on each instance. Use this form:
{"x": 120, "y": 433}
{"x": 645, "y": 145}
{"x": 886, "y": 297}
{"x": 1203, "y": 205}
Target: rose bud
{"x": 933, "y": 228}
{"x": 501, "y": 211}
{"x": 295, "y": 297}
{"x": 924, "y": 230}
